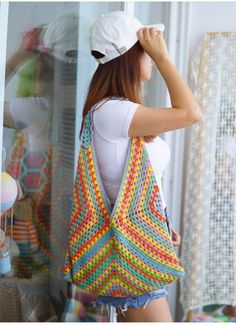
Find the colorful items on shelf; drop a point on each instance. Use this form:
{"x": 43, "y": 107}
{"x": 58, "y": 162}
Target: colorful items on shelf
{"x": 24, "y": 232}
{"x": 25, "y": 235}
{"x": 9, "y": 192}
{"x": 34, "y": 175}
{"x": 5, "y": 260}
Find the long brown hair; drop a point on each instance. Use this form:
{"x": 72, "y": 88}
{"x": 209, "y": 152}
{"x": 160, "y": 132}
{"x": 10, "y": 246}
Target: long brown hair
{"x": 119, "y": 77}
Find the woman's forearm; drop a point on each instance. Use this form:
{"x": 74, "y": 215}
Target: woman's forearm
{"x": 180, "y": 94}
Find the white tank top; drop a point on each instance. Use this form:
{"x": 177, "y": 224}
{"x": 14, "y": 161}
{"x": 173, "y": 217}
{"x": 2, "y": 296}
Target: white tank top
{"x": 112, "y": 121}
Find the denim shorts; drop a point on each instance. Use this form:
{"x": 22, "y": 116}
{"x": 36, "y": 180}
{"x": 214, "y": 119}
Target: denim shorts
{"x": 122, "y": 303}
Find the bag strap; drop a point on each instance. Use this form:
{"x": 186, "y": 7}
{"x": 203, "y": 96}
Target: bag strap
{"x": 135, "y": 143}
{"x": 87, "y": 131}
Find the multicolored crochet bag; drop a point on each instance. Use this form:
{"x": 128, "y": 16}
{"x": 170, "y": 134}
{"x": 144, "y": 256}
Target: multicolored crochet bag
{"x": 126, "y": 250}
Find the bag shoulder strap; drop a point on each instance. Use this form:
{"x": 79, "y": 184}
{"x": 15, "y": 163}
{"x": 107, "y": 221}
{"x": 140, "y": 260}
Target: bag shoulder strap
{"x": 87, "y": 131}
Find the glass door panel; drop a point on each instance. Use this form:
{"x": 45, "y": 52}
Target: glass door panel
{"x": 45, "y": 88}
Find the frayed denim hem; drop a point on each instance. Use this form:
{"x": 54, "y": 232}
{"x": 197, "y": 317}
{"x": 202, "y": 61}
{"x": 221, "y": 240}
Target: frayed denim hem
{"x": 122, "y": 304}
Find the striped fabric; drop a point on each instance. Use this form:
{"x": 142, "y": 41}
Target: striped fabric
{"x": 126, "y": 250}
{"x": 24, "y": 232}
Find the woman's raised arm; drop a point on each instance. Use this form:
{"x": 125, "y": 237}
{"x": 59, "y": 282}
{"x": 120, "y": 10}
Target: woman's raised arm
{"x": 184, "y": 111}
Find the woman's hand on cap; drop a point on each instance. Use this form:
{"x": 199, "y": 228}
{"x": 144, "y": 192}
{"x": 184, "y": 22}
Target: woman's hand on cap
{"x": 153, "y": 42}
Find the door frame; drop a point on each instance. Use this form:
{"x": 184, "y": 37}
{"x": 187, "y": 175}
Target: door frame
{"x": 4, "y": 9}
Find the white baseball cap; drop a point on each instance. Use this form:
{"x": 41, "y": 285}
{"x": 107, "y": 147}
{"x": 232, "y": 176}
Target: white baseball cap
{"x": 115, "y": 33}
{"x": 60, "y": 38}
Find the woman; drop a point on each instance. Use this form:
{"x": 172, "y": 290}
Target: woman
{"x": 126, "y": 52}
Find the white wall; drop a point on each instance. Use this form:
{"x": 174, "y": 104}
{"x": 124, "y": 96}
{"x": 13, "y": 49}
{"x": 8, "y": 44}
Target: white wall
{"x": 210, "y": 17}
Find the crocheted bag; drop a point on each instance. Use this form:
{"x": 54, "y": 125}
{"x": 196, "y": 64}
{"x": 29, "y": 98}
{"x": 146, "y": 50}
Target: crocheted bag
{"x": 125, "y": 251}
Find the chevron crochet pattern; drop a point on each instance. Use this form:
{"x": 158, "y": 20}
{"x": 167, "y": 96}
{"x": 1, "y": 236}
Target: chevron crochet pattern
{"x": 125, "y": 251}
